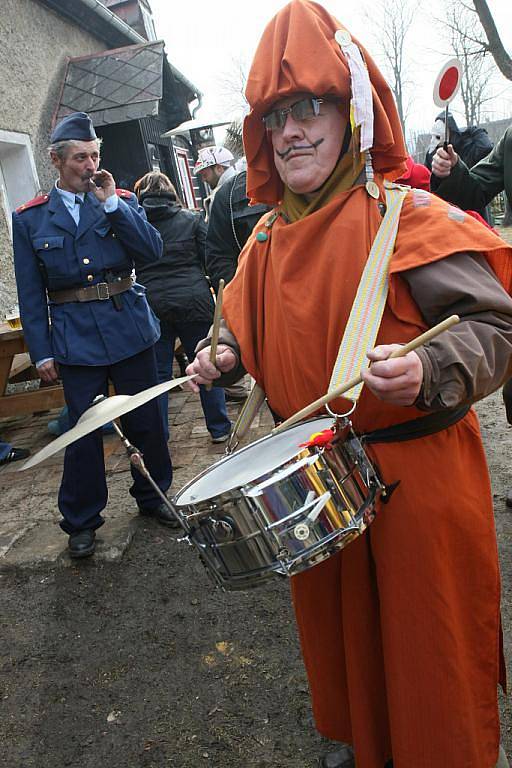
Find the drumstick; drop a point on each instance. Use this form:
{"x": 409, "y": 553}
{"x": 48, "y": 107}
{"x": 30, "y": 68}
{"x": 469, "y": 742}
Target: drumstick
{"x": 216, "y": 325}
{"x": 409, "y": 347}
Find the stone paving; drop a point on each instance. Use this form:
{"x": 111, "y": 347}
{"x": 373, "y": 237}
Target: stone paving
{"x": 29, "y": 517}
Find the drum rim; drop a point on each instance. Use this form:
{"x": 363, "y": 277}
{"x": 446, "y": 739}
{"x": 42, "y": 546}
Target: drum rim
{"x": 225, "y": 459}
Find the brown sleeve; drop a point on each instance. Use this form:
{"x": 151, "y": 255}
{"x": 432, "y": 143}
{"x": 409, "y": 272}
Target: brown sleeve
{"x": 473, "y": 358}
{"x": 227, "y": 338}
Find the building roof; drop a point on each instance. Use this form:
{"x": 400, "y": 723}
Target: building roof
{"x": 195, "y": 125}
{"x": 96, "y": 19}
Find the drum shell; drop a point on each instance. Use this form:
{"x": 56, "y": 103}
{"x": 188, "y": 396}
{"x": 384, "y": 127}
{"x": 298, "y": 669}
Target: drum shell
{"x": 265, "y": 529}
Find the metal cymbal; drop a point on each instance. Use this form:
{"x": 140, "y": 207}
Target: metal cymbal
{"x": 99, "y": 414}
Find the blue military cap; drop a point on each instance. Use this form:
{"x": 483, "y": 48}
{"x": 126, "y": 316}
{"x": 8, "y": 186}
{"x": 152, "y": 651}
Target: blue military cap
{"x": 75, "y": 127}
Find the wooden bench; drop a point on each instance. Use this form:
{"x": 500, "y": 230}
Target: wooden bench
{"x": 14, "y": 362}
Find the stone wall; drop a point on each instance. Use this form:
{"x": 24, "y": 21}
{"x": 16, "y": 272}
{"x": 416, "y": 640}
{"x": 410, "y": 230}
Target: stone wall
{"x": 36, "y": 43}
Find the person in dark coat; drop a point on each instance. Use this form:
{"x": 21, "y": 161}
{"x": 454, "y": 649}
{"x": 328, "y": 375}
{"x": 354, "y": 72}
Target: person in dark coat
{"x": 231, "y": 222}
{"x": 471, "y": 145}
{"x": 74, "y": 250}
{"x": 178, "y": 291}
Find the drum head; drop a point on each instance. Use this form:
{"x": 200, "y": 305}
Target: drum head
{"x": 250, "y": 463}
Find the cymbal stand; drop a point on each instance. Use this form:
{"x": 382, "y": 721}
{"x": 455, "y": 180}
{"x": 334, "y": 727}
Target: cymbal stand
{"x": 137, "y": 461}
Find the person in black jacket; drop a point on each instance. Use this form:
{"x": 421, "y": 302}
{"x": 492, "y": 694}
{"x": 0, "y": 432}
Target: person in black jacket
{"x": 177, "y": 290}
{"x": 230, "y": 223}
{"x": 229, "y": 226}
{"x": 471, "y": 144}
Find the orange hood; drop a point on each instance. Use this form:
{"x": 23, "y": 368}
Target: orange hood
{"x": 298, "y": 54}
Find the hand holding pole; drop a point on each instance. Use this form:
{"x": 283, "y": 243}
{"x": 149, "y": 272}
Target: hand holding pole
{"x": 216, "y": 325}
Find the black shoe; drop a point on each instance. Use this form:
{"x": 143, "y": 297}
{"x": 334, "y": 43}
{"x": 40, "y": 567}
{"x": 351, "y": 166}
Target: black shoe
{"x": 221, "y": 438}
{"x": 162, "y": 514}
{"x": 82, "y": 543}
{"x": 341, "y": 758}
{"x": 508, "y": 500}
{"x": 235, "y": 398}
{"x": 15, "y": 454}
{"x": 182, "y": 361}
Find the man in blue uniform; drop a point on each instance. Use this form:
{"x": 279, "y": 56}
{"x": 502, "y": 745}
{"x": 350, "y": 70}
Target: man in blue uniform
{"x": 75, "y": 250}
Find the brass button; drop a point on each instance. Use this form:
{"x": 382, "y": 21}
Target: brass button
{"x": 113, "y": 234}
{"x": 46, "y": 245}
{"x": 86, "y": 261}
{"x": 90, "y": 277}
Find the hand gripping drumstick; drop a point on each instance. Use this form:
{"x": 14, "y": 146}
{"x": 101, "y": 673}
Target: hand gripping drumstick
{"x": 412, "y": 345}
{"x": 216, "y": 325}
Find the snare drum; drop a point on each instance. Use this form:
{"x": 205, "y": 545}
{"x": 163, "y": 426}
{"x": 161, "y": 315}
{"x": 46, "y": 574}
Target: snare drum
{"x": 278, "y": 507}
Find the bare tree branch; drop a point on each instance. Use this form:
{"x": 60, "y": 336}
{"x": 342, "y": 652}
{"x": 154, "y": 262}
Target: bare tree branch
{"x": 460, "y": 25}
{"x": 234, "y": 139}
{"x": 232, "y": 87}
{"x": 496, "y": 47}
{"x": 394, "y": 21}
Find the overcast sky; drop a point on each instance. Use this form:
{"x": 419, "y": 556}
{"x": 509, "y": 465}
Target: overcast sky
{"x": 206, "y": 38}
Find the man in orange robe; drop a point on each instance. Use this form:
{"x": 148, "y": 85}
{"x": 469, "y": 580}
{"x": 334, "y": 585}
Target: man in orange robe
{"x": 400, "y": 631}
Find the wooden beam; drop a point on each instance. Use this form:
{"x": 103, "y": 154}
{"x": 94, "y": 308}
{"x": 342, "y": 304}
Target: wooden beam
{"x": 9, "y": 347}
{"x": 30, "y": 402}
{"x": 5, "y": 367}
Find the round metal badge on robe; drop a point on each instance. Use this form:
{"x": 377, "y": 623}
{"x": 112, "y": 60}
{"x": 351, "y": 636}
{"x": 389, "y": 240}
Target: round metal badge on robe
{"x": 342, "y": 37}
{"x": 372, "y": 189}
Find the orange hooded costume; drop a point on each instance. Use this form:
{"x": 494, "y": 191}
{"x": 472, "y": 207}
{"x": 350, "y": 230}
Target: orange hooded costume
{"x": 400, "y": 631}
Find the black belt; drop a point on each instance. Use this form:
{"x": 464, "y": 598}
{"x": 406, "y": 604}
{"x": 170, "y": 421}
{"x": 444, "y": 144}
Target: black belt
{"x": 416, "y": 428}
{"x": 96, "y": 292}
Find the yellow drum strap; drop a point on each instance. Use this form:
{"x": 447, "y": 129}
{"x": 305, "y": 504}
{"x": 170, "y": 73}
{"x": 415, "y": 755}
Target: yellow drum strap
{"x": 366, "y": 313}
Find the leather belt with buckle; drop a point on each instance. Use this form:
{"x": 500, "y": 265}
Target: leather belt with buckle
{"x": 96, "y": 292}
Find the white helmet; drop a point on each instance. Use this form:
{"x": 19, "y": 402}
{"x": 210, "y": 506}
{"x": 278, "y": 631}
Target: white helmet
{"x": 212, "y": 156}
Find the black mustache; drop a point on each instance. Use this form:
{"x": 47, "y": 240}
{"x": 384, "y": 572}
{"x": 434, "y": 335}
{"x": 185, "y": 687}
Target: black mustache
{"x": 284, "y": 155}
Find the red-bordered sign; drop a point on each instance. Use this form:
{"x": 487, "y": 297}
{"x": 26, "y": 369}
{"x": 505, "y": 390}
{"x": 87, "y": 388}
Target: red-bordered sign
{"x": 447, "y": 83}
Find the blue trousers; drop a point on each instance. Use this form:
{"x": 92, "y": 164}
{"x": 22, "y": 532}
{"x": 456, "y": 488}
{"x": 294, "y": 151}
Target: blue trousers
{"x": 213, "y": 402}
{"x": 83, "y": 492}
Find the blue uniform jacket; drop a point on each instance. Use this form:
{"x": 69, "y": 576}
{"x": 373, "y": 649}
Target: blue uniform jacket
{"x": 51, "y": 252}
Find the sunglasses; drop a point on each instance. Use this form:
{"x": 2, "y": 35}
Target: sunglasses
{"x": 305, "y": 109}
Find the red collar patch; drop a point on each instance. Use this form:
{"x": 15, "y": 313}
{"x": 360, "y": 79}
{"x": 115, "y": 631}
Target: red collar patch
{"x": 32, "y": 203}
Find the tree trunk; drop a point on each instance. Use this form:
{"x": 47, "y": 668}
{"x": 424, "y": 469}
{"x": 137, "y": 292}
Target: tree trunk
{"x": 496, "y": 48}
